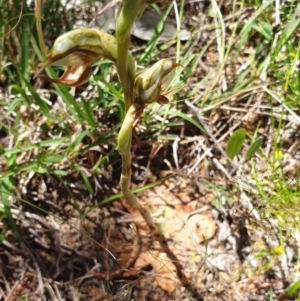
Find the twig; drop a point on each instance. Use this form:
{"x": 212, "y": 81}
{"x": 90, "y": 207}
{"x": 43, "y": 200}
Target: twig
{"x": 296, "y": 117}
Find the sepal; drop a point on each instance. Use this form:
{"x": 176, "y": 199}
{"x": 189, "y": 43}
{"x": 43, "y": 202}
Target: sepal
{"x": 78, "y": 50}
{"x": 151, "y": 84}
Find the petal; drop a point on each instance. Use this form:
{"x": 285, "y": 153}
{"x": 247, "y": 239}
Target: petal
{"x": 143, "y": 95}
{"x": 168, "y": 78}
{"x": 75, "y": 58}
{"x": 73, "y": 76}
{"x": 163, "y": 100}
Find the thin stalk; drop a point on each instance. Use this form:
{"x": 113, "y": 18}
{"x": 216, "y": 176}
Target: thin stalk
{"x": 38, "y": 15}
{"x": 126, "y": 68}
{"x": 126, "y": 71}
{"x": 131, "y": 198}
{"x": 124, "y": 148}
{"x": 133, "y": 112}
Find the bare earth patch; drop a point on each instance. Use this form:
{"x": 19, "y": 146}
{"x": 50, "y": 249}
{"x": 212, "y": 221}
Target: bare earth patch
{"x": 102, "y": 256}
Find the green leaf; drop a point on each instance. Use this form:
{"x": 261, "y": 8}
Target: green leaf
{"x": 2, "y": 234}
{"x": 235, "y": 143}
{"x": 77, "y": 141}
{"x": 292, "y": 289}
{"x": 13, "y": 106}
{"x": 21, "y": 91}
{"x": 6, "y": 187}
{"x": 111, "y": 89}
{"x": 41, "y": 103}
{"x": 187, "y": 118}
{"x": 84, "y": 178}
{"x": 88, "y": 113}
{"x": 50, "y": 158}
{"x": 45, "y": 143}
{"x": 265, "y": 29}
{"x": 60, "y": 173}
{"x": 253, "y": 148}
{"x": 86, "y": 182}
{"x": 158, "y": 31}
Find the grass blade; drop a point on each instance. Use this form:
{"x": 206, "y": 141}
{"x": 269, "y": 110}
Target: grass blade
{"x": 6, "y": 185}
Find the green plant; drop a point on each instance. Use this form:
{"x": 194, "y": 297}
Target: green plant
{"x": 80, "y": 48}
{"x": 292, "y": 290}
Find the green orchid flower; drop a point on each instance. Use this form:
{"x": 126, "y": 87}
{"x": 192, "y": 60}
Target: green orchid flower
{"x": 78, "y": 50}
{"x": 151, "y": 84}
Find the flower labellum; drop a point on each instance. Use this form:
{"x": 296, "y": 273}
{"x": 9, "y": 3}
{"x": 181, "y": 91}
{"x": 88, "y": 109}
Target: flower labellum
{"x": 78, "y": 50}
{"x": 150, "y": 84}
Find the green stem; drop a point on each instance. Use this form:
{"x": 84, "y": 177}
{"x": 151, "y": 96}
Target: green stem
{"x": 38, "y": 13}
{"x": 126, "y": 68}
{"x": 126, "y": 71}
{"x": 124, "y": 148}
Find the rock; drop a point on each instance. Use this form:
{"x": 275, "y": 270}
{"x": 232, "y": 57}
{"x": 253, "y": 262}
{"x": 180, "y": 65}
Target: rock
{"x": 144, "y": 27}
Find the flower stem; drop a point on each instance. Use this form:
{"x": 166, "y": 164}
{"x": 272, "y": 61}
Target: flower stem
{"x": 126, "y": 68}
{"x": 126, "y": 71}
{"x": 124, "y": 148}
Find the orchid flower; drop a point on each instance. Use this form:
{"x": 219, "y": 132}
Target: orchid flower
{"x": 151, "y": 83}
{"x": 78, "y": 50}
